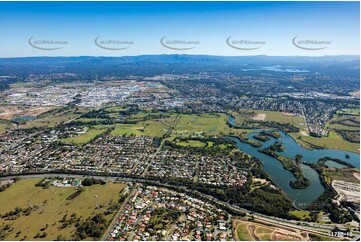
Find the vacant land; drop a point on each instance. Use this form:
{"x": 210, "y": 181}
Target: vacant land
{"x": 197, "y": 123}
{"x": 346, "y": 122}
{"x": 241, "y": 232}
{"x": 148, "y": 128}
{"x": 260, "y": 116}
{"x": 11, "y": 112}
{"x": 54, "y": 118}
{"x": 116, "y": 109}
{"x": 85, "y": 138}
{"x": 154, "y": 128}
{"x": 158, "y": 124}
{"x": 127, "y": 129}
{"x": 302, "y": 215}
{"x": 346, "y": 174}
{"x": 242, "y": 115}
{"x": 191, "y": 143}
{"x": 332, "y": 141}
{"x": 351, "y": 111}
{"x": 49, "y": 206}
{"x": 252, "y": 230}
{"x": 3, "y": 127}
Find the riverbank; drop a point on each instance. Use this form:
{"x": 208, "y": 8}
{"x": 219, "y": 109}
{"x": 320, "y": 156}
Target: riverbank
{"x": 282, "y": 177}
{"x": 333, "y": 141}
{"x": 290, "y": 164}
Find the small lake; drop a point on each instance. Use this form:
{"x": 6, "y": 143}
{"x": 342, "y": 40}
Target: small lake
{"x": 282, "y": 177}
{"x": 24, "y": 118}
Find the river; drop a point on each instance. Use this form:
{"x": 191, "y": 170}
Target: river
{"x": 282, "y": 177}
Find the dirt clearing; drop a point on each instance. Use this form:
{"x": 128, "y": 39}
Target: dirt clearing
{"x": 260, "y": 117}
{"x": 10, "y": 112}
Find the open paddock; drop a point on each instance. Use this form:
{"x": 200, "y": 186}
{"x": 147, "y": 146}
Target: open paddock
{"x": 49, "y": 206}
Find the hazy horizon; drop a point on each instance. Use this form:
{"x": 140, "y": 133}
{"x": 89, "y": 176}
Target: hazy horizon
{"x": 106, "y": 56}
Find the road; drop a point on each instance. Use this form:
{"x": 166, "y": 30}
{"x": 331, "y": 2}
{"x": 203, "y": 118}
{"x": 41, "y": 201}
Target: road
{"x": 152, "y": 159}
{"x": 320, "y": 229}
{"x": 117, "y": 215}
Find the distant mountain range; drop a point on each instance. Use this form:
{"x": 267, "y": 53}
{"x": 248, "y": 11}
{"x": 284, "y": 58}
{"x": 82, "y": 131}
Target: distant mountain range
{"x": 147, "y": 65}
{"x": 176, "y": 58}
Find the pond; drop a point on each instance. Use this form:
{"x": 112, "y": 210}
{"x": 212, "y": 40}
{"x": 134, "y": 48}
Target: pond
{"x": 24, "y": 118}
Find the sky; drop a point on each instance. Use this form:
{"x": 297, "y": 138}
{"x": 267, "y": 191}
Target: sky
{"x": 137, "y": 28}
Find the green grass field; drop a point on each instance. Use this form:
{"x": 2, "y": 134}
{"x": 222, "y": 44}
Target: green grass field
{"x": 191, "y": 143}
{"x": 301, "y": 214}
{"x": 297, "y": 121}
{"x": 50, "y": 121}
{"x": 88, "y": 120}
{"x": 3, "y": 127}
{"x": 242, "y": 232}
{"x": 352, "y": 111}
{"x": 264, "y": 233}
{"x": 22, "y": 85}
{"x": 149, "y": 128}
{"x": 211, "y": 124}
{"x": 142, "y": 115}
{"x": 340, "y": 174}
{"x": 55, "y": 117}
{"x": 333, "y": 141}
{"x": 343, "y": 122}
{"x": 85, "y": 138}
{"x": 242, "y": 115}
{"x": 247, "y": 114}
{"x": 206, "y": 124}
{"x": 154, "y": 128}
{"x": 127, "y": 129}
{"x": 52, "y": 206}
{"x": 115, "y": 109}
{"x": 182, "y": 124}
